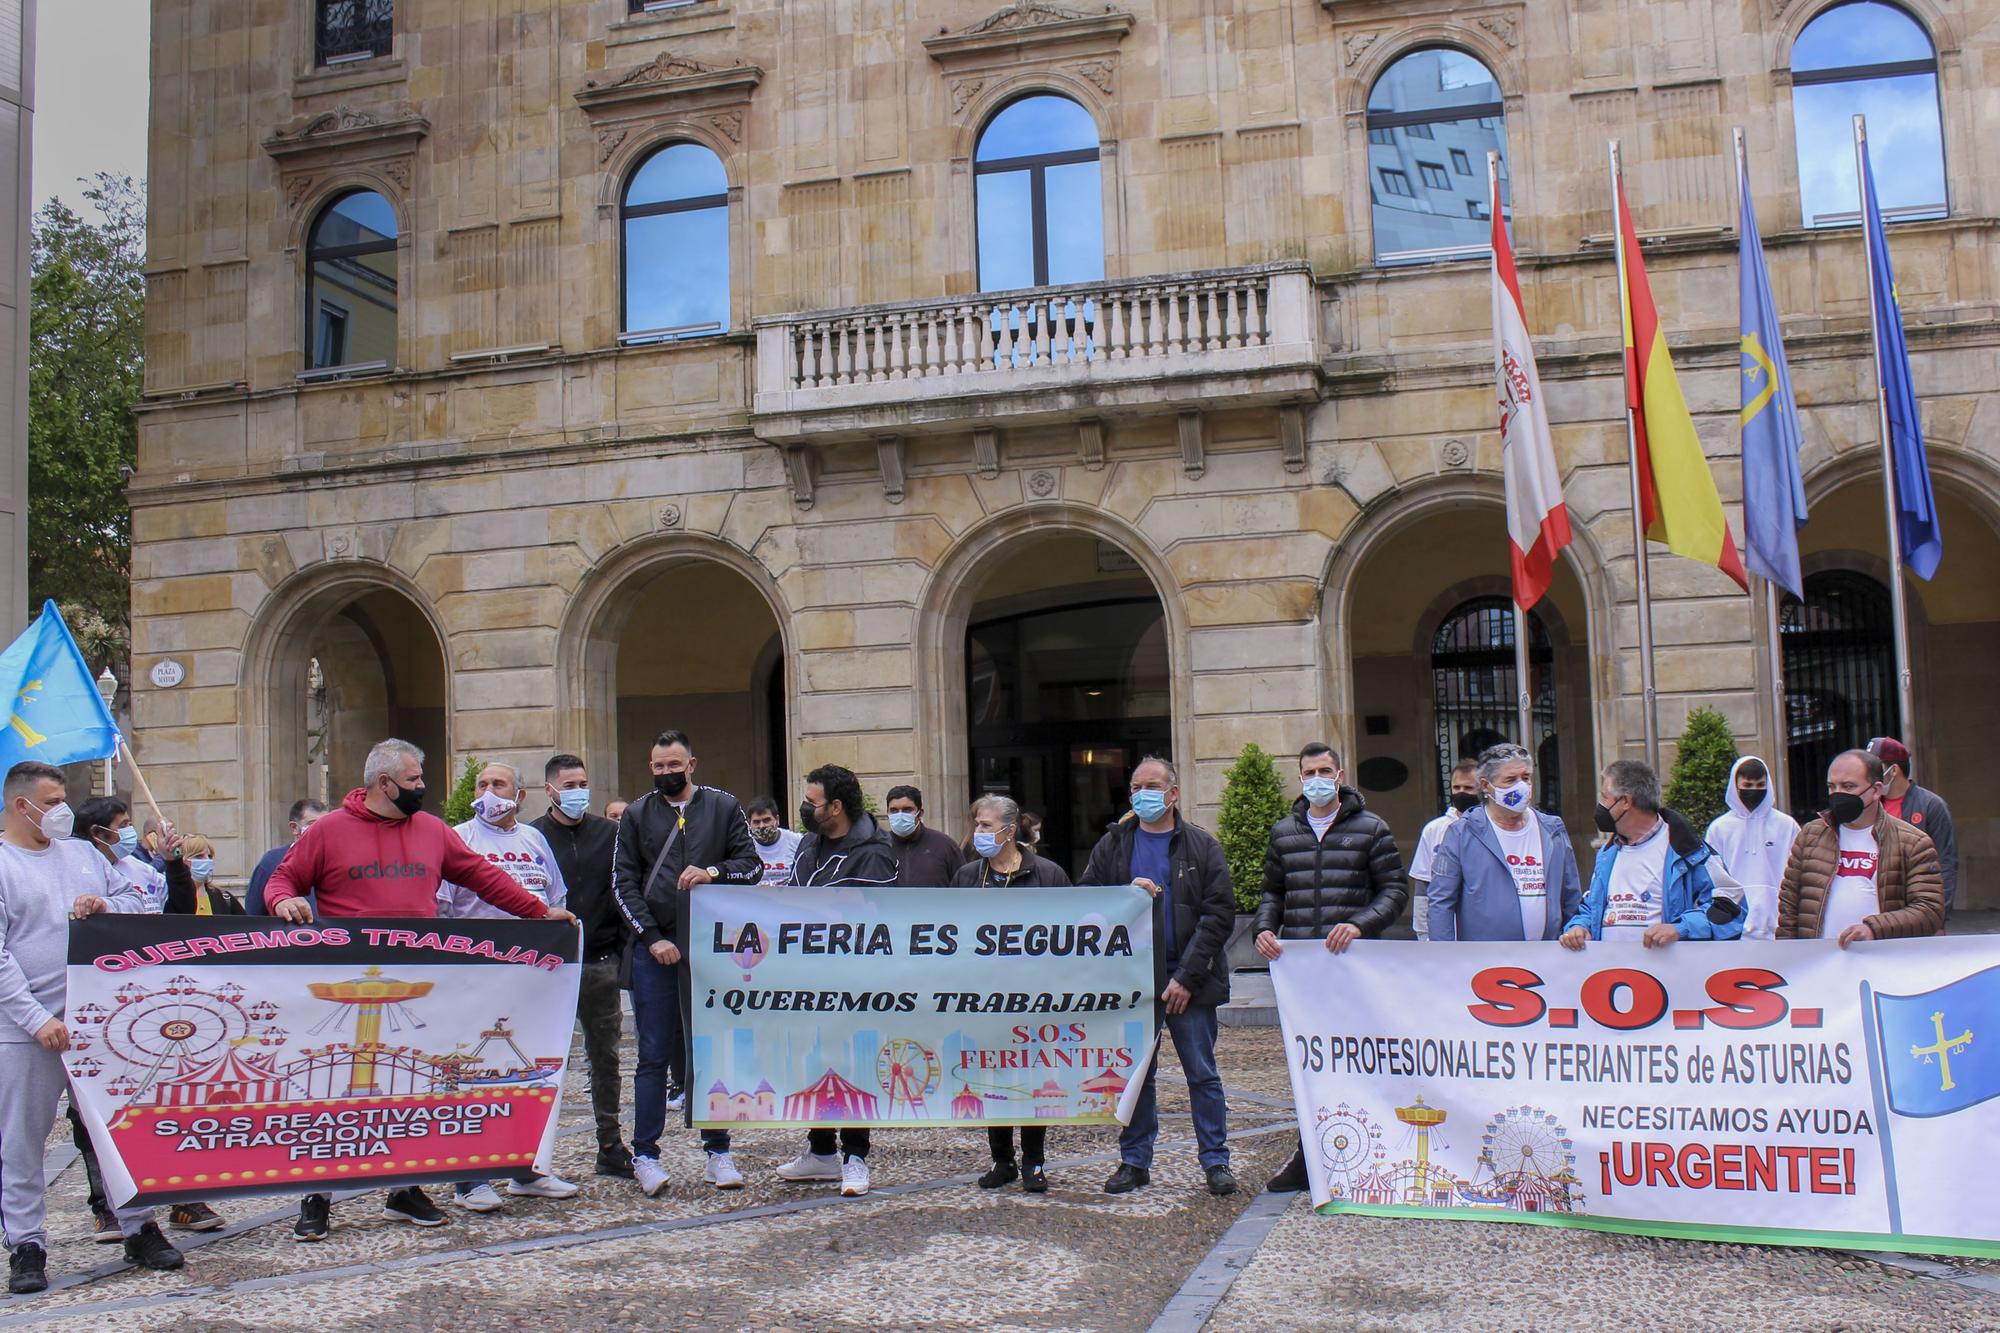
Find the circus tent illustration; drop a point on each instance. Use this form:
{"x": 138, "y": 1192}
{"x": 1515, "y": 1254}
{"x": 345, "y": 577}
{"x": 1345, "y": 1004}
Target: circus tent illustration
{"x": 1107, "y": 1085}
{"x": 236, "y": 1078}
{"x": 1051, "y": 1101}
{"x": 968, "y": 1105}
{"x": 830, "y": 1099}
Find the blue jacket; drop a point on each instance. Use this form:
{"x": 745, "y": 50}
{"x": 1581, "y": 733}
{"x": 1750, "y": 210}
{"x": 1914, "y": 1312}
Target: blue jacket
{"x": 1472, "y": 895}
{"x": 1688, "y": 890}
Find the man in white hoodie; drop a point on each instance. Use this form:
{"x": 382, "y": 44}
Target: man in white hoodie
{"x": 1752, "y": 839}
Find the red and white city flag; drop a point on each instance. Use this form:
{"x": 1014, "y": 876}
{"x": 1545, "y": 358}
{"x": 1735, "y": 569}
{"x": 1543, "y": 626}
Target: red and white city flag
{"x": 1537, "y": 522}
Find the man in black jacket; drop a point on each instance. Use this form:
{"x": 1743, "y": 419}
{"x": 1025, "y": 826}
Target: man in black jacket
{"x": 1185, "y": 870}
{"x": 1331, "y": 872}
{"x": 843, "y": 845}
{"x": 927, "y": 857}
{"x": 583, "y": 844}
{"x": 676, "y": 837}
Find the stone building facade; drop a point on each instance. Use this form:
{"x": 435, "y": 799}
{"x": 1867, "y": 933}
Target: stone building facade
{"x": 1239, "y": 484}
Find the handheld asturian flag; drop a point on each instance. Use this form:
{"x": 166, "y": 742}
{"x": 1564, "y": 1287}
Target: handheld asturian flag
{"x": 54, "y": 712}
{"x": 1537, "y": 520}
{"x": 1774, "y": 495}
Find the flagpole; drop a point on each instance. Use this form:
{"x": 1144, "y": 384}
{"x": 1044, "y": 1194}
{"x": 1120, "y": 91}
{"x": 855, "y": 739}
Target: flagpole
{"x": 1904, "y": 698}
{"x": 1780, "y": 762}
{"x": 1524, "y": 699}
{"x": 1649, "y": 708}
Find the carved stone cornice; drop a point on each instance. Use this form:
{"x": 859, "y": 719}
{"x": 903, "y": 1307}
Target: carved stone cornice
{"x": 1030, "y": 28}
{"x": 347, "y": 131}
{"x": 669, "y": 82}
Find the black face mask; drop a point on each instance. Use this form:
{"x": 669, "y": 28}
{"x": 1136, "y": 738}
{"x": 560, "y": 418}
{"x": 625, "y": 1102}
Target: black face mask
{"x": 1606, "y": 821}
{"x": 409, "y": 800}
{"x": 1464, "y": 801}
{"x": 1752, "y": 796}
{"x": 670, "y": 785}
{"x": 1844, "y": 807}
{"x": 808, "y": 817}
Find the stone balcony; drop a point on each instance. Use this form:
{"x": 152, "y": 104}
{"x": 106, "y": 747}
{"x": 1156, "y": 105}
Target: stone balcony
{"x": 1222, "y": 339}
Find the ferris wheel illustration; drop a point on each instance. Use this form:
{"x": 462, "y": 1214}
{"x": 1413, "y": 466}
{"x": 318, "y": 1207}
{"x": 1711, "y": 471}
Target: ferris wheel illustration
{"x": 156, "y": 1031}
{"x": 1348, "y": 1140}
{"x": 1525, "y": 1144}
{"x": 908, "y": 1070}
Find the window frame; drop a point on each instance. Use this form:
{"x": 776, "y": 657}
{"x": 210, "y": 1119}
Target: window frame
{"x": 315, "y": 254}
{"x": 1870, "y": 72}
{"x": 1372, "y": 121}
{"x": 627, "y": 212}
{"x": 1036, "y": 165}
{"x": 380, "y": 35}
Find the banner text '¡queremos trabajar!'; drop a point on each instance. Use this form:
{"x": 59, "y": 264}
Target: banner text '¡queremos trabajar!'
{"x": 307, "y": 937}
{"x": 929, "y": 940}
{"x": 356, "y": 1131}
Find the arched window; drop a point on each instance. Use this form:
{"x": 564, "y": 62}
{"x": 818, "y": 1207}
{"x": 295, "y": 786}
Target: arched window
{"x": 351, "y": 285}
{"x": 1876, "y": 60}
{"x": 1432, "y": 116}
{"x": 1038, "y": 196}
{"x": 1839, "y": 653}
{"x": 675, "y": 220}
{"x": 1472, "y": 676}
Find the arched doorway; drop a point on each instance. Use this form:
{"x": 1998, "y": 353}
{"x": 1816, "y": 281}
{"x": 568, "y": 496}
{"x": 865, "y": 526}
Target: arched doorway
{"x": 1839, "y": 653}
{"x": 672, "y": 639}
{"x": 1474, "y": 694}
{"x": 1068, "y": 683}
{"x": 357, "y": 659}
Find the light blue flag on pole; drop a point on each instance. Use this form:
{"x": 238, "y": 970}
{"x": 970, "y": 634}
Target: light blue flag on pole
{"x": 54, "y": 712}
{"x": 1917, "y": 526}
{"x": 1774, "y": 496}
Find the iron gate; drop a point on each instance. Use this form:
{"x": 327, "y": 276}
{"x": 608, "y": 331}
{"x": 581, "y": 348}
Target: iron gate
{"x": 1472, "y": 676}
{"x": 1839, "y": 654}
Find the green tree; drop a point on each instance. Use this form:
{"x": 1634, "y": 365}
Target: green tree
{"x": 1253, "y": 799}
{"x": 458, "y": 805}
{"x": 85, "y": 372}
{"x": 1702, "y": 761}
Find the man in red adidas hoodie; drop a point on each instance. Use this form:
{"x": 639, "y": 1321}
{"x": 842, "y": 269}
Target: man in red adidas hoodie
{"x": 381, "y": 855}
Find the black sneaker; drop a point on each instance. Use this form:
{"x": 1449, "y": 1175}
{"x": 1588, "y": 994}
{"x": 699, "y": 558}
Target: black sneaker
{"x": 104, "y": 1227}
{"x": 1293, "y": 1178}
{"x": 148, "y": 1248}
{"x": 615, "y": 1161}
{"x": 1003, "y": 1173}
{"x": 1221, "y": 1180}
{"x": 414, "y": 1206}
{"x": 1034, "y": 1178}
{"x": 28, "y": 1270}
{"x": 1128, "y": 1178}
{"x": 194, "y": 1217}
{"x": 312, "y": 1223}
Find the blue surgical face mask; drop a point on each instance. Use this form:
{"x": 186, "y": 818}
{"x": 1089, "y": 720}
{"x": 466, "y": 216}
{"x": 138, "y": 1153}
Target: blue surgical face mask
{"x": 201, "y": 867}
{"x": 573, "y": 802}
{"x": 1514, "y": 796}
{"x": 1149, "y": 804}
{"x": 902, "y": 823}
{"x": 128, "y": 841}
{"x": 1320, "y": 791}
{"x": 986, "y": 844}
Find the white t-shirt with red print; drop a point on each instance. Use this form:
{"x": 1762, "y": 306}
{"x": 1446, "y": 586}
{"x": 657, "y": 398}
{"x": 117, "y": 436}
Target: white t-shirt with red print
{"x": 1852, "y": 896}
{"x": 520, "y": 852}
{"x": 1523, "y": 849}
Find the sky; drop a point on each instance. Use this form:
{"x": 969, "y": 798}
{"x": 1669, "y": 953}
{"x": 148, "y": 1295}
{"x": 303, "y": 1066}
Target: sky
{"x": 91, "y": 78}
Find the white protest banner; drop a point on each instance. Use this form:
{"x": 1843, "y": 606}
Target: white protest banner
{"x": 1784, "y": 1092}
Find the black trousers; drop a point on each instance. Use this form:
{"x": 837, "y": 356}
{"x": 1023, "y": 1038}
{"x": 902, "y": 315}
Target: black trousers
{"x": 1034, "y": 1141}
{"x": 852, "y": 1142}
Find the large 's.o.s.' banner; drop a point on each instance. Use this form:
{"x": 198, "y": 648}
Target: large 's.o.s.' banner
{"x": 1783, "y": 1092}
{"x": 218, "y": 1056}
{"x": 902, "y": 1006}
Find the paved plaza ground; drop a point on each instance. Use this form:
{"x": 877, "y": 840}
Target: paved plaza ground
{"x": 928, "y": 1250}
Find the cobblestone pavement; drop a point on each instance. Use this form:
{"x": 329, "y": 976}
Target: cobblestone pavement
{"x": 929, "y": 1250}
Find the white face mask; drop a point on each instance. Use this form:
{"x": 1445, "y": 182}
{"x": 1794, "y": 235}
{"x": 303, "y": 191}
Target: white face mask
{"x": 1514, "y": 796}
{"x": 56, "y": 822}
{"x": 492, "y": 807}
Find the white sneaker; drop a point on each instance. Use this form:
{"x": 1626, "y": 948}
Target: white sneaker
{"x": 811, "y": 1166}
{"x": 542, "y": 1187}
{"x": 652, "y": 1177}
{"x": 677, "y": 1102}
{"x": 854, "y": 1178}
{"x": 722, "y": 1172}
{"x": 481, "y": 1198}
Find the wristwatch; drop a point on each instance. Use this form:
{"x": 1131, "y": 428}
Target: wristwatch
{"x": 714, "y": 873}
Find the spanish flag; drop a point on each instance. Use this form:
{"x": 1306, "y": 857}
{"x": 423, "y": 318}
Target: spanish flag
{"x": 1676, "y": 490}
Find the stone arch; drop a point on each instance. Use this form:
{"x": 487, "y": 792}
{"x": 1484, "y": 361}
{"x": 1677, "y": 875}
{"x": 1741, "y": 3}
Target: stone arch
{"x": 348, "y": 607}
{"x": 1937, "y": 25}
{"x": 587, "y": 651}
{"x": 357, "y": 178}
{"x": 1480, "y": 43}
{"x": 943, "y": 614}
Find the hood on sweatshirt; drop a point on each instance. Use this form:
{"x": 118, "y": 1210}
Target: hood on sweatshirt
{"x": 1734, "y": 798}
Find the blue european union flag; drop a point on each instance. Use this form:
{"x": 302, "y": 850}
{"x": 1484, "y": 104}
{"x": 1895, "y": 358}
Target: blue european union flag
{"x": 54, "y": 712}
{"x": 1917, "y": 527}
{"x": 1774, "y": 495}
{"x": 1939, "y": 1054}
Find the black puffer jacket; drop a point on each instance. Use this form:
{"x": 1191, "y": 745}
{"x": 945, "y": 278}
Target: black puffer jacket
{"x": 1354, "y": 874}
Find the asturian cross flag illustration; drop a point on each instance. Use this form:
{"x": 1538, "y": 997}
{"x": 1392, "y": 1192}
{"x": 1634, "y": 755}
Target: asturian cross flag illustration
{"x": 54, "y": 712}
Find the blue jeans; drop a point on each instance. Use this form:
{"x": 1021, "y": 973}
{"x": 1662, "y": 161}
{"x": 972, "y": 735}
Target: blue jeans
{"x": 1194, "y": 1041}
{"x": 657, "y": 1014}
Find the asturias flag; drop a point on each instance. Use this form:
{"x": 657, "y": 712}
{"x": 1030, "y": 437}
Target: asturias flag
{"x": 1774, "y": 495}
{"x": 1677, "y": 496}
{"x": 54, "y": 712}
{"x": 1941, "y": 1048}
{"x": 1917, "y": 525}
{"x": 1537, "y": 521}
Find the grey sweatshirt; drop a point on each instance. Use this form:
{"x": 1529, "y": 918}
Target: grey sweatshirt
{"x": 37, "y": 890}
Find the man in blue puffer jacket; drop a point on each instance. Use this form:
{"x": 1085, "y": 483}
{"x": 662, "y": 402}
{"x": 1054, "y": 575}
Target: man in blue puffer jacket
{"x": 1652, "y": 883}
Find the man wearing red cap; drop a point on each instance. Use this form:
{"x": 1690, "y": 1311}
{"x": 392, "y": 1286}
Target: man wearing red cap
{"x": 1919, "y": 806}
